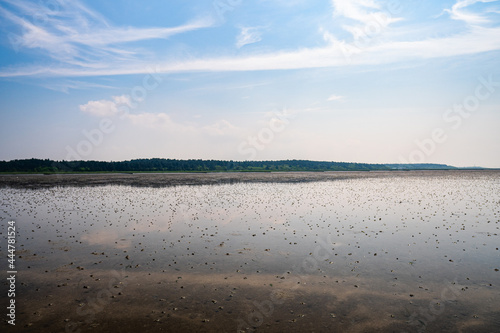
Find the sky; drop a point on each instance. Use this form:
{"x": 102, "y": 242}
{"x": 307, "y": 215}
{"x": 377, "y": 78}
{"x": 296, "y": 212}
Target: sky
{"x": 372, "y": 81}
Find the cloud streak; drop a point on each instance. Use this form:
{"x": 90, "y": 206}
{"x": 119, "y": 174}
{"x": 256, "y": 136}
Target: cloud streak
{"x": 248, "y": 35}
{"x": 457, "y": 12}
{"x": 78, "y": 61}
{"x": 76, "y": 37}
{"x": 365, "y": 12}
{"x": 478, "y": 40}
{"x": 335, "y": 98}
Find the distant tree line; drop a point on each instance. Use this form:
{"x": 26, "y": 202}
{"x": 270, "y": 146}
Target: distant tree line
{"x": 173, "y": 165}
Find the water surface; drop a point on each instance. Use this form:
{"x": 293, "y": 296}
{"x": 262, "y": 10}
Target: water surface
{"x": 407, "y": 253}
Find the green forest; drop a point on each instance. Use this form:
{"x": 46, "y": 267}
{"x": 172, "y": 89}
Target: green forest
{"x": 173, "y": 165}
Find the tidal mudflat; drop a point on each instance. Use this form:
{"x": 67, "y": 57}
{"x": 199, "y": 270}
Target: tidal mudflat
{"x": 289, "y": 252}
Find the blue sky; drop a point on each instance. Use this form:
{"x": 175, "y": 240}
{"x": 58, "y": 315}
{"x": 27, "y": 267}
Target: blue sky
{"x": 336, "y": 80}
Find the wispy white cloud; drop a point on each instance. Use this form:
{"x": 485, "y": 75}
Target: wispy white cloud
{"x": 77, "y": 37}
{"x": 458, "y": 12}
{"x": 163, "y": 122}
{"x": 248, "y": 35}
{"x": 150, "y": 120}
{"x": 473, "y": 39}
{"x": 67, "y": 85}
{"x": 335, "y": 98}
{"x": 130, "y": 34}
{"x": 477, "y": 40}
{"x": 222, "y": 128}
{"x": 367, "y": 13}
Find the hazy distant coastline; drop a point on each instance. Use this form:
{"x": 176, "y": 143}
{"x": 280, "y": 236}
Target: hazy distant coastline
{"x": 197, "y": 165}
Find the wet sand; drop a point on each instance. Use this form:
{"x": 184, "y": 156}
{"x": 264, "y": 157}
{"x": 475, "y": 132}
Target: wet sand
{"x": 124, "y": 301}
{"x": 179, "y": 179}
{"x": 285, "y": 252}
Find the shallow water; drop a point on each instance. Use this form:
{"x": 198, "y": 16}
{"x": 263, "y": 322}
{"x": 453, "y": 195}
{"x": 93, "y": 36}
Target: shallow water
{"x": 404, "y": 254}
